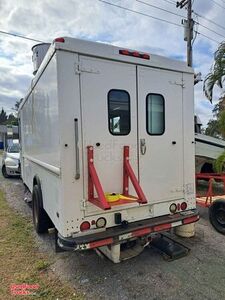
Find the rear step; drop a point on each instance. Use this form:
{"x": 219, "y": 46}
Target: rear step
{"x": 169, "y": 248}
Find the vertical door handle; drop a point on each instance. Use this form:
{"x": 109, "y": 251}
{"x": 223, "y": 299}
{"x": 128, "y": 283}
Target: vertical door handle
{"x": 143, "y": 146}
{"x": 77, "y": 174}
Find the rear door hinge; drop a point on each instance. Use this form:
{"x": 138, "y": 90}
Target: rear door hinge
{"x": 81, "y": 69}
{"x": 83, "y": 204}
{"x": 177, "y": 83}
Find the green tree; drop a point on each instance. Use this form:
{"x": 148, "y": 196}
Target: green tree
{"x": 215, "y": 126}
{"x": 3, "y": 117}
{"x": 212, "y": 128}
{"x": 12, "y": 120}
{"x": 217, "y": 74}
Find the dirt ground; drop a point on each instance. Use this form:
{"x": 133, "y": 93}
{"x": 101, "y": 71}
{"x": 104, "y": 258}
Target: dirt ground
{"x": 200, "y": 275}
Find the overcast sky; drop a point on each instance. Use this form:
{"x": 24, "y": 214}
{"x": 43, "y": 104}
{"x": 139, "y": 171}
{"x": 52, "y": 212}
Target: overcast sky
{"x": 93, "y": 20}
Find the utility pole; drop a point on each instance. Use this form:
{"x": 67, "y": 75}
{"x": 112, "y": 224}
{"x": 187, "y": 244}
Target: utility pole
{"x": 188, "y": 26}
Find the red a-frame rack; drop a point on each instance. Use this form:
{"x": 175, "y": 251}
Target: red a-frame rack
{"x": 94, "y": 182}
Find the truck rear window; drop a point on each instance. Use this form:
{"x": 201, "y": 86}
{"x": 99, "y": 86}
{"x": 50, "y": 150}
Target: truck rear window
{"x": 155, "y": 110}
{"x": 119, "y": 112}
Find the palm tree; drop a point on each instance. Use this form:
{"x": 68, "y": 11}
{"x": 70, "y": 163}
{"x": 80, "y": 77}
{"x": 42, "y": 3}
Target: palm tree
{"x": 217, "y": 77}
{"x": 217, "y": 73}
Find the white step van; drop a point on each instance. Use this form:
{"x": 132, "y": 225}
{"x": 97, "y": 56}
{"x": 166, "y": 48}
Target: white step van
{"x": 108, "y": 145}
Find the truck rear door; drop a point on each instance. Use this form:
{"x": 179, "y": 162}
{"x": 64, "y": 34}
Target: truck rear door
{"x": 109, "y": 120}
{"x": 160, "y": 134}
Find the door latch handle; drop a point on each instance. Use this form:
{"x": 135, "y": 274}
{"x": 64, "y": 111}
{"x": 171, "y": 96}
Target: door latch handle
{"x": 142, "y": 146}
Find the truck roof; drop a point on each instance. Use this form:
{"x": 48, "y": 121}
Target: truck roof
{"x": 110, "y": 52}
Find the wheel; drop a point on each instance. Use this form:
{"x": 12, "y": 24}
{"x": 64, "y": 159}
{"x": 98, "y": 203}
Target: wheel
{"x": 41, "y": 220}
{"x": 4, "y": 172}
{"x": 217, "y": 215}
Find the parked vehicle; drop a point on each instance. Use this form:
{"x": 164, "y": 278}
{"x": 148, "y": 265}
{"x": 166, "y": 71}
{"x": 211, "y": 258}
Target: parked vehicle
{"x": 108, "y": 145}
{"x": 11, "y": 160}
{"x": 207, "y": 150}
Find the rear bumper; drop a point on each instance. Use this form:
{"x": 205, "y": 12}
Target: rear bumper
{"x": 136, "y": 229}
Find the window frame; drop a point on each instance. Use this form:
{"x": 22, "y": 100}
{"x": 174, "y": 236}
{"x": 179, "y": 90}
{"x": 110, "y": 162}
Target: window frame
{"x": 147, "y": 115}
{"x": 129, "y": 107}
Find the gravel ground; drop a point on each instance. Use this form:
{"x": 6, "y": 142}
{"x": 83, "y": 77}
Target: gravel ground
{"x": 200, "y": 275}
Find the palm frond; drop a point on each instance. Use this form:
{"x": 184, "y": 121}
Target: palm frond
{"x": 217, "y": 73}
{"x": 208, "y": 85}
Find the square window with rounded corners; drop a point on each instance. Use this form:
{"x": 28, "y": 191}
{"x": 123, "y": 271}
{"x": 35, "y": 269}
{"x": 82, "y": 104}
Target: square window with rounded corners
{"x": 155, "y": 114}
{"x": 119, "y": 112}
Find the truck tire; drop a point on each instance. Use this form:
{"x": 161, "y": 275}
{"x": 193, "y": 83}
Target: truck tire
{"x": 217, "y": 215}
{"x": 41, "y": 220}
{"x": 4, "y": 173}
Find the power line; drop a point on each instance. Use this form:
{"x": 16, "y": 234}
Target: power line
{"x": 159, "y": 19}
{"x": 20, "y": 36}
{"x": 209, "y": 38}
{"x": 218, "y": 4}
{"x": 211, "y": 21}
{"x": 165, "y": 10}
{"x": 140, "y": 13}
{"x": 170, "y": 2}
{"x": 157, "y": 7}
{"x": 213, "y": 31}
{"x": 196, "y": 32}
{"x": 143, "y": 2}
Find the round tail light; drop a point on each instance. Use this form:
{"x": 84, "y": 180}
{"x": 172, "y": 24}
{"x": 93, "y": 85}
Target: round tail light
{"x": 183, "y": 206}
{"x": 173, "y": 208}
{"x": 85, "y": 226}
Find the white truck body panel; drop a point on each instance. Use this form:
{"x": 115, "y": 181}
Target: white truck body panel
{"x": 73, "y": 82}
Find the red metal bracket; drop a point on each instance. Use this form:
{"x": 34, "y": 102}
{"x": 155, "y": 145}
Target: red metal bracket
{"x": 209, "y": 194}
{"x": 129, "y": 173}
{"x": 93, "y": 181}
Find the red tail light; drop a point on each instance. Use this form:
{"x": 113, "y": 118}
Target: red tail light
{"x": 124, "y": 52}
{"x": 145, "y": 56}
{"x": 85, "y": 226}
{"x": 134, "y": 54}
{"x": 59, "y": 40}
{"x": 183, "y": 206}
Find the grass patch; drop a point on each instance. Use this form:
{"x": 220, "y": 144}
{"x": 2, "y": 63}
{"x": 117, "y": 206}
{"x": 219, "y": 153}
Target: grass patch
{"x": 22, "y": 263}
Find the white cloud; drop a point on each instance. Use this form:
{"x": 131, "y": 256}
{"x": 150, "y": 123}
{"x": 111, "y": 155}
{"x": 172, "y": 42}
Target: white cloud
{"x": 91, "y": 19}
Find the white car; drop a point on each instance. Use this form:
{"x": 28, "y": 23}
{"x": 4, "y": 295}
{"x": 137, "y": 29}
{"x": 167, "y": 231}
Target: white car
{"x": 11, "y": 161}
